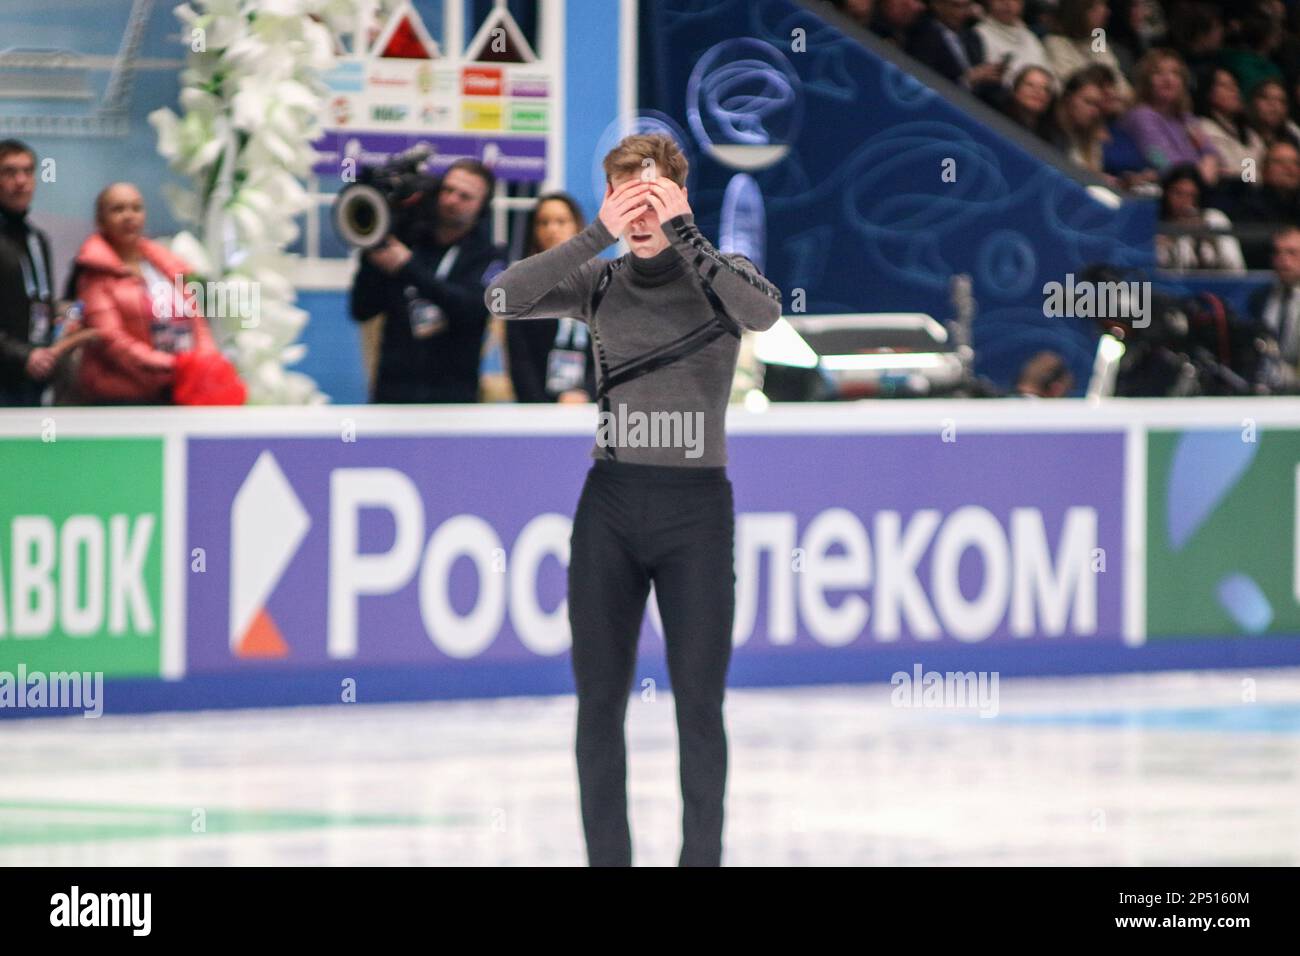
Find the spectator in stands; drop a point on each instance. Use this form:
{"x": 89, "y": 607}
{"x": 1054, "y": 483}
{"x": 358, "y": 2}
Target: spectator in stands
{"x": 1079, "y": 44}
{"x": 1007, "y": 40}
{"x": 26, "y": 283}
{"x": 1045, "y": 376}
{"x": 1077, "y": 125}
{"x": 894, "y": 19}
{"x": 1250, "y": 56}
{"x": 1277, "y": 200}
{"x": 1287, "y": 55}
{"x": 1121, "y": 158}
{"x": 1275, "y": 308}
{"x": 1126, "y": 33}
{"x": 1041, "y": 17}
{"x": 1223, "y": 123}
{"x": 551, "y": 359}
{"x": 1180, "y": 205}
{"x": 133, "y": 293}
{"x": 1029, "y": 100}
{"x": 429, "y": 285}
{"x": 944, "y": 41}
{"x": 1196, "y": 32}
{"x": 1162, "y": 124}
{"x": 1294, "y": 103}
{"x": 859, "y": 11}
{"x": 1268, "y": 114}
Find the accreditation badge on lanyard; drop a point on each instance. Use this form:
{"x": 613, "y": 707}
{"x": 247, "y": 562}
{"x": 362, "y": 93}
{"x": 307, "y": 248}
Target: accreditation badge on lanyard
{"x": 566, "y": 366}
{"x": 38, "y": 291}
{"x": 427, "y": 319}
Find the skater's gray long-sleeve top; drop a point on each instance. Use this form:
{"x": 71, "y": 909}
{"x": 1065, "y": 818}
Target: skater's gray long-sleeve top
{"x": 675, "y": 415}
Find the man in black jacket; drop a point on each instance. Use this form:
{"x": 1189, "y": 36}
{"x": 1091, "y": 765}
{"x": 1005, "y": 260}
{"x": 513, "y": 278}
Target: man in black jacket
{"x": 431, "y": 294}
{"x": 893, "y": 20}
{"x": 26, "y": 283}
{"x": 945, "y": 42}
{"x": 1275, "y": 308}
{"x": 1275, "y": 201}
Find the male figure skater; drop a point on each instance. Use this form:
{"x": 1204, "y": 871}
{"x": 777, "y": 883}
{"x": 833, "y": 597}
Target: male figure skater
{"x": 665, "y": 325}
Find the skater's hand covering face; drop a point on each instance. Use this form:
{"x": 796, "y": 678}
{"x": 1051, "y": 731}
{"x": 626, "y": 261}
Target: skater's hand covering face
{"x": 668, "y": 199}
{"x": 629, "y": 211}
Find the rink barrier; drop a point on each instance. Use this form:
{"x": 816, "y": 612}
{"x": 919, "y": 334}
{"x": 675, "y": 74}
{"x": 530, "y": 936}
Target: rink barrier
{"x": 260, "y": 557}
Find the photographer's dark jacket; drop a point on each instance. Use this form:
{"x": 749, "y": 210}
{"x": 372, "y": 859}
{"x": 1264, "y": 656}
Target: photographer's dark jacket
{"x": 649, "y": 304}
{"x": 16, "y": 387}
{"x": 530, "y": 346}
{"x": 443, "y": 367}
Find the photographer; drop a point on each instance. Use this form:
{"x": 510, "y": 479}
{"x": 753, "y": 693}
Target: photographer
{"x": 428, "y": 281}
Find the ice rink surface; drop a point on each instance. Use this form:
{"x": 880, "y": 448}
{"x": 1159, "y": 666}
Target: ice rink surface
{"x": 1171, "y": 769}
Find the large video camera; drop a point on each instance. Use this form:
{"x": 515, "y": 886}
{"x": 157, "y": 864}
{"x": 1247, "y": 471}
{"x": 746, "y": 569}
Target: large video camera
{"x": 385, "y": 200}
{"x": 1187, "y": 345}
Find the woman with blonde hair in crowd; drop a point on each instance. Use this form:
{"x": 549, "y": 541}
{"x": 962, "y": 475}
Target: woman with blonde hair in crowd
{"x": 129, "y": 287}
{"x": 1162, "y": 124}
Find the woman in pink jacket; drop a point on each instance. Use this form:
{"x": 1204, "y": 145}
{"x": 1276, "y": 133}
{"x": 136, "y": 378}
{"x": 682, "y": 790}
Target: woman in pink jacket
{"x": 128, "y": 288}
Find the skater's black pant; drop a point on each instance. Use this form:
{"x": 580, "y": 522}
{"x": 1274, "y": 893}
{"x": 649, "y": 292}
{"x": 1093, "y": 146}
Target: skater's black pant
{"x": 674, "y": 526}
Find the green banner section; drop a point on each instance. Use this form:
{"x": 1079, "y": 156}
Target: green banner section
{"x": 1221, "y": 532}
{"x": 528, "y": 117}
{"x": 81, "y": 537}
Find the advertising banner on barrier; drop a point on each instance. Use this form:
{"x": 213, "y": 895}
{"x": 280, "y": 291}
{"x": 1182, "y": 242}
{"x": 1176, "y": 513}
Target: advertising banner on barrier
{"x": 1222, "y": 532}
{"x": 419, "y": 550}
{"x": 379, "y": 551}
{"x": 929, "y": 540}
{"x": 81, "y": 532}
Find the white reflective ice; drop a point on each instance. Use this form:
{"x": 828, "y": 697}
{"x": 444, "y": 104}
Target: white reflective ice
{"x": 1127, "y": 770}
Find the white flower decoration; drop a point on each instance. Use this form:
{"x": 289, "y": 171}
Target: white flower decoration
{"x": 252, "y": 98}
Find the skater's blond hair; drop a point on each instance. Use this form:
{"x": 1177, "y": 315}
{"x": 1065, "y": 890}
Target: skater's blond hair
{"x": 630, "y": 155}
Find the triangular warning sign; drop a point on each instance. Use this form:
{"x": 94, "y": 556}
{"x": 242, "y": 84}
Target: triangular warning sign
{"x": 499, "y": 40}
{"x": 502, "y": 51}
{"x": 405, "y": 37}
{"x": 404, "y": 44}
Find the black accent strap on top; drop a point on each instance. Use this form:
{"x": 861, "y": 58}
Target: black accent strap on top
{"x": 688, "y": 344}
{"x": 602, "y": 286}
{"x": 719, "y": 325}
{"x": 598, "y": 293}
